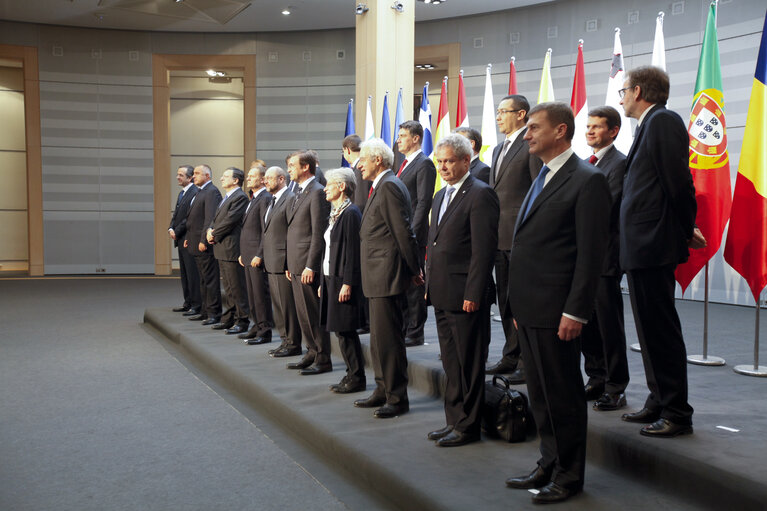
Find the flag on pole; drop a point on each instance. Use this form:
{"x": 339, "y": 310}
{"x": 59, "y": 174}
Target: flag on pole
{"x": 443, "y": 126}
{"x": 512, "y": 77}
{"x": 709, "y": 161}
{"x": 546, "y": 90}
{"x": 461, "y": 116}
{"x": 659, "y": 47}
{"x": 385, "y": 122}
{"x": 580, "y": 106}
{"x": 370, "y": 131}
{"x": 349, "y": 127}
{"x": 617, "y": 76}
{"x": 746, "y": 246}
{"x": 489, "y": 128}
{"x": 424, "y": 117}
{"x": 399, "y": 118}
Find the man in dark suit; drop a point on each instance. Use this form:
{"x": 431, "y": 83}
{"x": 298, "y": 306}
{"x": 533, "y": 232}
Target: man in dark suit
{"x": 657, "y": 219}
{"x": 307, "y": 221}
{"x": 478, "y": 168}
{"x": 391, "y": 263}
{"x": 190, "y": 280}
{"x": 418, "y": 175}
{"x": 224, "y": 235}
{"x": 201, "y": 213}
{"x": 463, "y": 237}
{"x": 274, "y": 249}
{"x": 511, "y": 174}
{"x": 604, "y": 339}
{"x": 251, "y": 258}
{"x": 351, "y": 149}
{"x": 556, "y": 258}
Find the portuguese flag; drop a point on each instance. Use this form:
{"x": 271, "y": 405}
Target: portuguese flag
{"x": 709, "y": 161}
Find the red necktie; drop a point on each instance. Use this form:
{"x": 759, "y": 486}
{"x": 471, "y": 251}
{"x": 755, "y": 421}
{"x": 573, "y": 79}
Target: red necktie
{"x": 402, "y": 167}
{"x": 370, "y": 192}
{"x": 593, "y": 160}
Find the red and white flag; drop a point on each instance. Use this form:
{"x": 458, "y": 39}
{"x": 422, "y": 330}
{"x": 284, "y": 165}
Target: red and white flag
{"x": 617, "y": 76}
{"x": 462, "y": 117}
{"x": 579, "y": 104}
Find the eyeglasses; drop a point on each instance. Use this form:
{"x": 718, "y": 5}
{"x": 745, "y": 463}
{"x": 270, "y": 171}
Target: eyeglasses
{"x": 622, "y": 92}
{"x": 502, "y": 111}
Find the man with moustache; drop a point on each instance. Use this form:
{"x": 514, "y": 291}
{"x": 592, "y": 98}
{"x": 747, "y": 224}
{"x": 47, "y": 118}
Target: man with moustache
{"x": 190, "y": 280}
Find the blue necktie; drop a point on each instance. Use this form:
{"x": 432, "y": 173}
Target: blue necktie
{"x": 445, "y": 201}
{"x": 180, "y": 194}
{"x": 536, "y": 188}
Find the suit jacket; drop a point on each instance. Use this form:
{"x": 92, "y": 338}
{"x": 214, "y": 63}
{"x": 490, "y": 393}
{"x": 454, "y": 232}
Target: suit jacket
{"x": 518, "y": 170}
{"x": 388, "y": 248}
{"x": 480, "y": 170}
{"x": 613, "y": 166}
{"x": 178, "y": 220}
{"x": 419, "y": 177}
{"x": 275, "y": 236}
{"x": 253, "y": 227}
{"x": 227, "y": 225}
{"x": 658, "y": 210}
{"x": 307, "y": 221}
{"x": 558, "y": 249}
{"x": 461, "y": 249}
{"x": 362, "y": 190}
{"x": 201, "y": 214}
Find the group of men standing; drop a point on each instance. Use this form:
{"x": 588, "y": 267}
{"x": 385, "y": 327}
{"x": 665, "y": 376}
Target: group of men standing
{"x": 556, "y": 231}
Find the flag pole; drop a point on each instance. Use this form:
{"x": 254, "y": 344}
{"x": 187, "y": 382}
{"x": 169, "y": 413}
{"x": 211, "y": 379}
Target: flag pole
{"x": 756, "y": 369}
{"x": 705, "y": 360}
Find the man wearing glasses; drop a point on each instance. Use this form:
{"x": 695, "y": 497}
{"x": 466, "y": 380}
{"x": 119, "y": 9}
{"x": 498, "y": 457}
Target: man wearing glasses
{"x": 512, "y": 172}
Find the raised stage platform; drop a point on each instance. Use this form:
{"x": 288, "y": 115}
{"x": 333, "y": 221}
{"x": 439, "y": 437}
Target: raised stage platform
{"x": 721, "y": 466}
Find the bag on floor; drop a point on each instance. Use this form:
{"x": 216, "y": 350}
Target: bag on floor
{"x": 505, "y": 413}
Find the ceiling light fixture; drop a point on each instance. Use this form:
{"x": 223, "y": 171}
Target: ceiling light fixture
{"x": 397, "y": 6}
{"x": 212, "y": 72}
{"x": 286, "y": 11}
{"x": 361, "y": 9}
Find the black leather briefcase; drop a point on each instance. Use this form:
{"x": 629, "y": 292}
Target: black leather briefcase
{"x": 505, "y": 413}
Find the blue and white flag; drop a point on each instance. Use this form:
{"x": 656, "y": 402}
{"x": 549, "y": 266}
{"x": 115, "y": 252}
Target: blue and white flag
{"x": 424, "y": 117}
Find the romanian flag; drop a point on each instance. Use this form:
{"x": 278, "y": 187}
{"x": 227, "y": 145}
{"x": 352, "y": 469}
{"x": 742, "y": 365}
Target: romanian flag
{"x": 746, "y": 246}
{"x": 709, "y": 161}
{"x": 461, "y": 116}
{"x": 512, "y": 77}
{"x": 546, "y": 90}
{"x": 443, "y": 127}
{"x": 579, "y": 104}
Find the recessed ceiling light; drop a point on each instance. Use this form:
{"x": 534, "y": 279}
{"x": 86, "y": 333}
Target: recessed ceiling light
{"x": 286, "y": 12}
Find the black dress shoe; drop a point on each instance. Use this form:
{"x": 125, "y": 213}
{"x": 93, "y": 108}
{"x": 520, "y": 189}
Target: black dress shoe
{"x": 456, "y": 438}
{"x": 594, "y": 390}
{"x": 183, "y": 308}
{"x": 196, "y": 317}
{"x": 316, "y": 369}
{"x": 334, "y": 386}
{"x": 191, "y": 312}
{"x": 350, "y": 387}
{"x": 388, "y": 411}
{"x": 250, "y": 334}
{"x": 551, "y": 493}
{"x": 278, "y": 348}
{"x": 370, "y": 402}
{"x": 287, "y": 352}
{"x": 536, "y": 479}
{"x": 222, "y": 326}
{"x": 664, "y": 428}
{"x": 610, "y": 401}
{"x": 439, "y": 433}
{"x": 517, "y": 376}
{"x": 413, "y": 341}
{"x": 210, "y": 321}
{"x": 236, "y": 329}
{"x": 302, "y": 364}
{"x": 258, "y": 340}
{"x": 501, "y": 367}
{"x": 643, "y": 416}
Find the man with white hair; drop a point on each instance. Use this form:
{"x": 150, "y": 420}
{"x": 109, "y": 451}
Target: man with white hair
{"x": 390, "y": 265}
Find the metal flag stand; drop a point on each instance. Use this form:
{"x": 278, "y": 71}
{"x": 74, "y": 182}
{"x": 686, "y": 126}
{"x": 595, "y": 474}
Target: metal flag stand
{"x": 756, "y": 369}
{"x": 705, "y": 360}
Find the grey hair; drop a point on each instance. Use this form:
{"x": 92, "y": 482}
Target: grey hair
{"x": 376, "y": 147}
{"x": 205, "y": 169}
{"x": 280, "y": 172}
{"x": 344, "y": 175}
{"x": 458, "y": 143}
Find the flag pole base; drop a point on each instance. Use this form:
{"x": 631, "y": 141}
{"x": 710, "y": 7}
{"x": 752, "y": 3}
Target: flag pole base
{"x": 750, "y": 370}
{"x": 703, "y": 360}
{"x": 636, "y": 347}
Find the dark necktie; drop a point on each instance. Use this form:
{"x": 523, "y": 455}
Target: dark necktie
{"x": 180, "y": 195}
{"x": 593, "y": 159}
{"x": 506, "y": 144}
{"x": 536, "y": 188}
{"x": 402, "y": 167}
{"x": 269, "y": 209}
{"x": 298, "y": 194}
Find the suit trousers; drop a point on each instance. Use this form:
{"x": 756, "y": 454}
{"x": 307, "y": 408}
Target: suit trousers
{"x": 387, "y": 349}
{"x": 351, "y": 351}
{"x": 317, "y": 339}
{"x": 463, "y": 341}
{"x": 603, "y": 340}
{"x": 190, "y": 279}
{"x": 558, "y": 402}
{"x": 511, "y": 346}
{"x": 285, "y": 318}
{"x": 414, "y": 311}
{"x": 233, "y": 277}
{"x": 259, "y": 300}
{"x": 660, "y": 335}
{"x": 210, "y": 284}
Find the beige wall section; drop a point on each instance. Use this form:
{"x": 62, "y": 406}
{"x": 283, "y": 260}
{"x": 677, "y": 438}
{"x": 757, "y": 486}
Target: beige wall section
{"x": 21, "y": 222}
{"x": 166, "y": 188}
{"x": 384, "y": 60}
